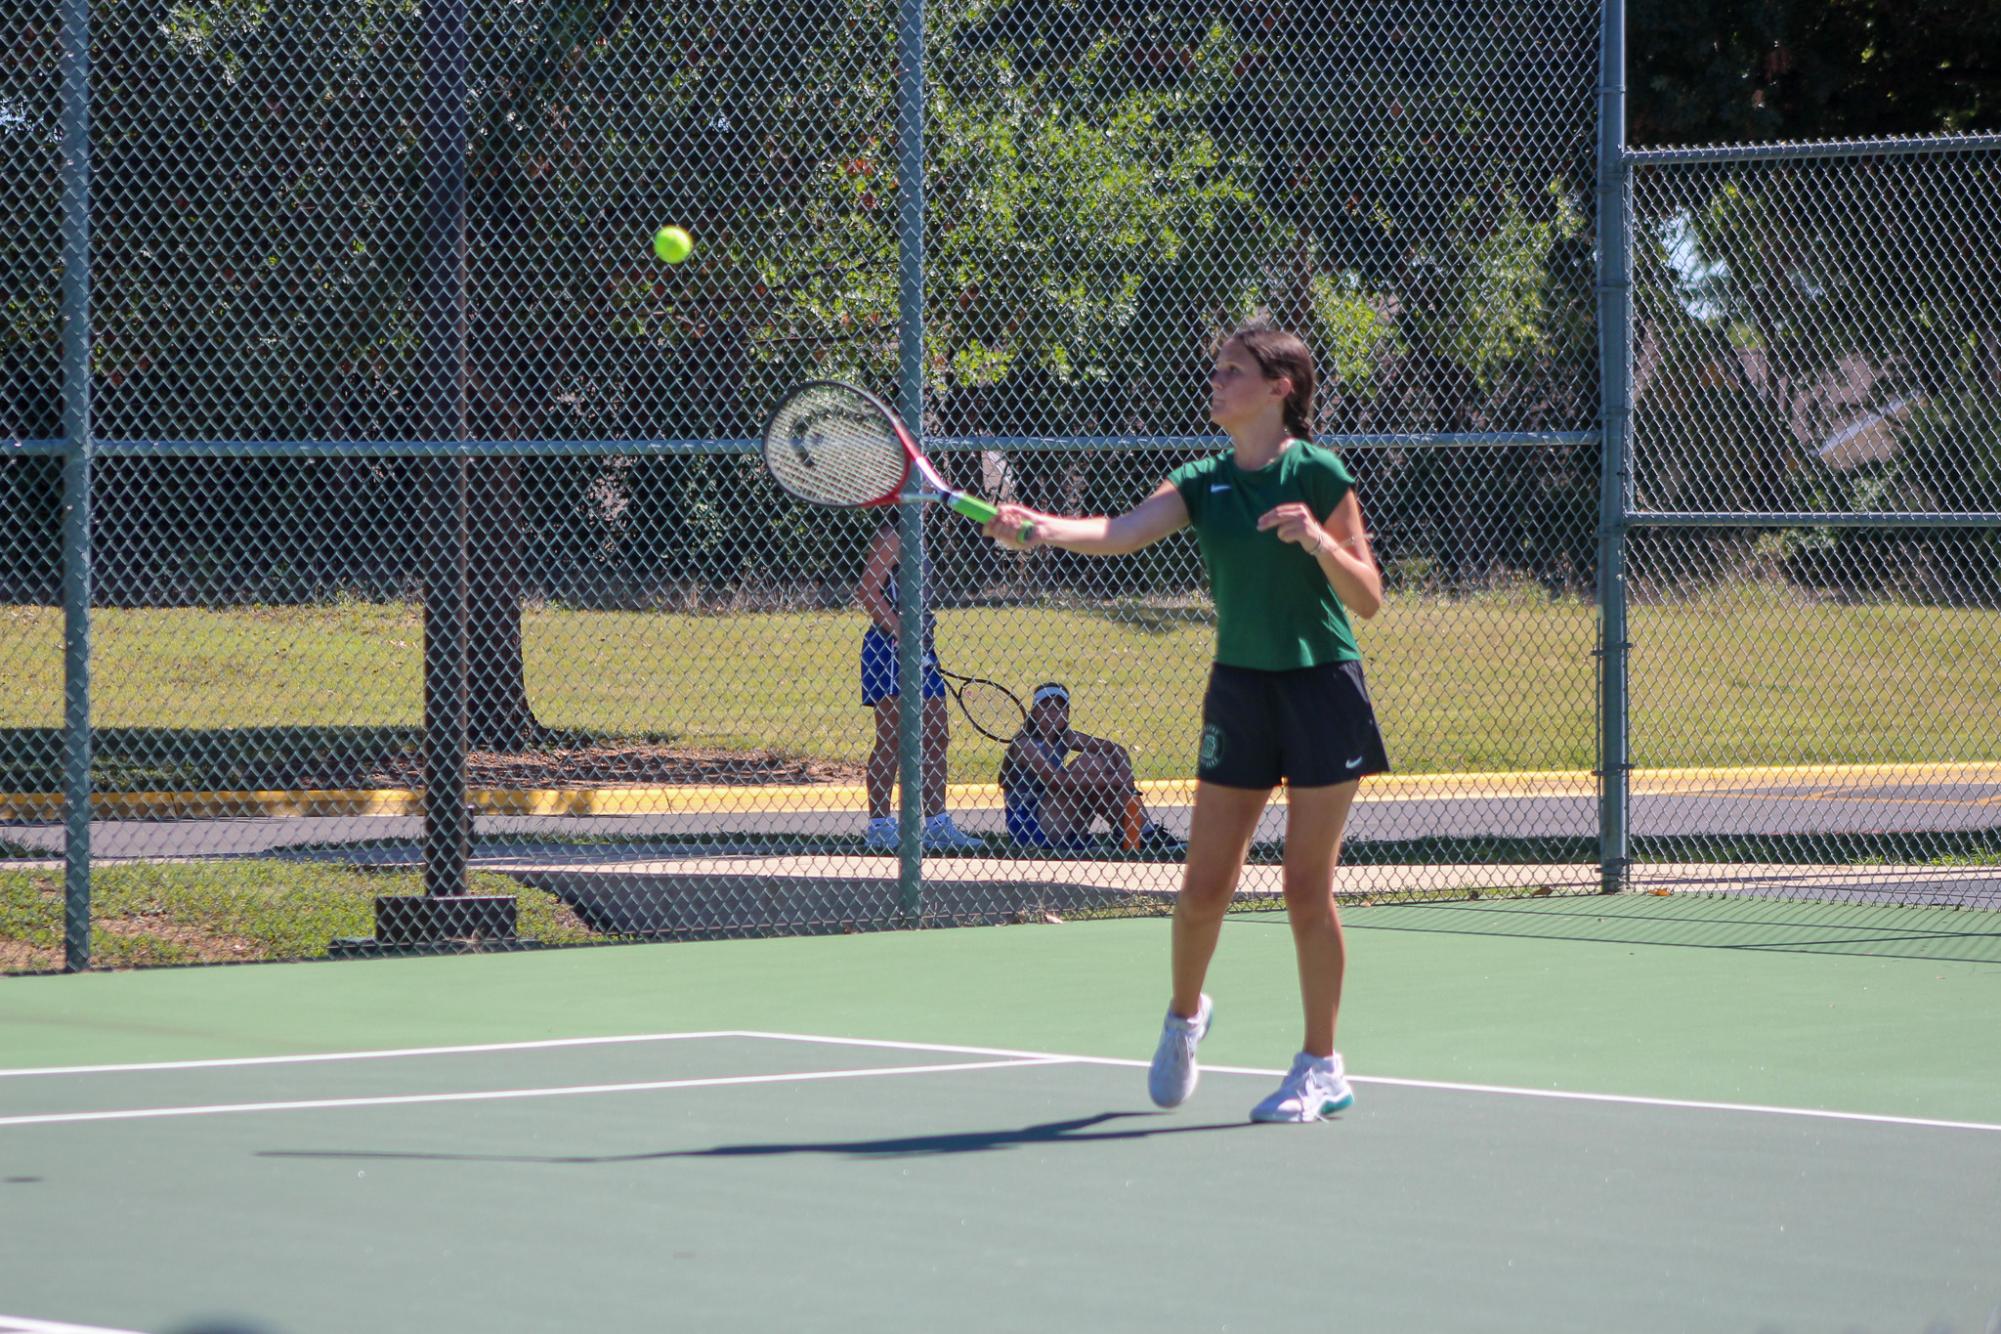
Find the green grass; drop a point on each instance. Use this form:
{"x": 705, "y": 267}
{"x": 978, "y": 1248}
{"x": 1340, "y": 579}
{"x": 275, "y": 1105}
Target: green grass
{"x": 228, "y": 911}
{"x": 1506, "y": 681}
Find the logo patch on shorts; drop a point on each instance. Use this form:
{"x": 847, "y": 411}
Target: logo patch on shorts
{"x": 1212, "y": 746}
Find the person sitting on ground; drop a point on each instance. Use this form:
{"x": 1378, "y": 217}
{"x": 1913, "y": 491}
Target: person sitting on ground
{"x": 1057, "y": 781}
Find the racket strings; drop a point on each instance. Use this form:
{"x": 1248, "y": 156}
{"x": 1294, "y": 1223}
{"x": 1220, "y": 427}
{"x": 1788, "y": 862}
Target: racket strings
{"x": 992, "y": 709}
{"x": 830, "y": 448}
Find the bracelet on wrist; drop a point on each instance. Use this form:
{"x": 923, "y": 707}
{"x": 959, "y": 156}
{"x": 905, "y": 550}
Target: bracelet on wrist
{"x": 1349, "y": 543}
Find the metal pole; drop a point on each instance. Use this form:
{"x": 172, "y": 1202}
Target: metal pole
{"x": 1898, "y": 520}
{"x": 910, "y": 402}
{"x": 728, "y": 446}
{"x": 1822, "y": 150}
{"x": 75, "y": 74}
{"x": 442, "y": 390}
{"x": 1615, "y": 297}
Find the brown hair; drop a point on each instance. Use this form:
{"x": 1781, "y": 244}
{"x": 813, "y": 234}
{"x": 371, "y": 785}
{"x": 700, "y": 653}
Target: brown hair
{"x": 1282, "y": 355}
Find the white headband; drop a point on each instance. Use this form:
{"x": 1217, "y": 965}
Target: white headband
{"x": 1050, "y": 692}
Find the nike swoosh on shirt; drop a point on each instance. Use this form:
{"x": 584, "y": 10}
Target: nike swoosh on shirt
{"x": 1355, "y": 763}
{"x": 1214, "y": 488}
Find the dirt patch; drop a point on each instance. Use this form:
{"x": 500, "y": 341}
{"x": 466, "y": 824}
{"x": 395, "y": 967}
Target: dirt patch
{"x": 199, "y": 943}
{"x": 18, "y": 956}
{"x": 619, "y": 764}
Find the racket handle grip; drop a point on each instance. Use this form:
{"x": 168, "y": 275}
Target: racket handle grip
{"x": 982, "y": 512}
{"x": 979, "y": 511}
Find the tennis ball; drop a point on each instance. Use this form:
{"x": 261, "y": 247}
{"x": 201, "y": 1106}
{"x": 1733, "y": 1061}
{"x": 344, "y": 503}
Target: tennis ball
{"x": 673, "y": 244}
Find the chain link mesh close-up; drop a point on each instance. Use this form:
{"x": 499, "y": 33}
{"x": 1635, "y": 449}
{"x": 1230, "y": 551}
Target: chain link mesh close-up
{"x": 1817, "y": 396}
{"x": 431, "y": 590}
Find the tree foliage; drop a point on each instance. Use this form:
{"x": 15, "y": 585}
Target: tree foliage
{"x": 1110, "y": 183}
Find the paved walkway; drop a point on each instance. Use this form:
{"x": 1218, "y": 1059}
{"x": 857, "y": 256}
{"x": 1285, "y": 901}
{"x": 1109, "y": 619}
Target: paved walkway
{"x": 1802, "y": 802}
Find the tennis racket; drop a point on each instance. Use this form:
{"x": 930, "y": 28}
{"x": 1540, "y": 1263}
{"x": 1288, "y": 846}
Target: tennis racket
{"x": 992, "y": 709}
{"x": 834, "y": 444}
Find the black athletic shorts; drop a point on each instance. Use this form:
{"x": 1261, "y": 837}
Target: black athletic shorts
{"x": 1312, "y": 727}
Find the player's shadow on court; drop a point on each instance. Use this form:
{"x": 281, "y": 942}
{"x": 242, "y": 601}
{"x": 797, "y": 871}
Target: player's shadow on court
{"x": 1083, "y": 1130}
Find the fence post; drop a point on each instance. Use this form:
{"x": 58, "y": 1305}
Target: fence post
{"x": 1615, "y": 297}
{"x": 77, "y": 461}
{"x": 912, "y": 594}
{"x": 442, "y": 394}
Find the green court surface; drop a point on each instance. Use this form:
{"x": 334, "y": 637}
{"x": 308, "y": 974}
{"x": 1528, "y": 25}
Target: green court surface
{"x": 1573, "y": 1114}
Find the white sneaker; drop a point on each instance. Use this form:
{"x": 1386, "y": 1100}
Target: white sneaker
{"x": 1174, "y": 1072}
{"x": 881, "y": 832}
{"x": 1316, "y": 1086}
{"x": 941, "y": 835}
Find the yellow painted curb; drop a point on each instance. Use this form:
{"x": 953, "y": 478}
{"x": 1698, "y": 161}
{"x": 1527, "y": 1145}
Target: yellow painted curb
{"x": 1826, "y": 780}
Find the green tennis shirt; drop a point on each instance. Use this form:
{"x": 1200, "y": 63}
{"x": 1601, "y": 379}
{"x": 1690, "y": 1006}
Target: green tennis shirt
{"x": 1275, "y": 609}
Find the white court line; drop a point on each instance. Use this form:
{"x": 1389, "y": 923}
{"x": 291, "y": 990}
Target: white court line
{"x": 1012, "y": 1057}
{"x": 1502, "y": 1090}
{"x": 501, "y": 1095}
{"x": 1691, "y": 1103}
{"x": 21, "y": 1324}
{"x": 310, "y": 1058}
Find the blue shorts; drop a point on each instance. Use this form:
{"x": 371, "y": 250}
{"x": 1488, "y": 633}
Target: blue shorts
{"x": 879, "y": 673}
{"x": 1025, "y": 827}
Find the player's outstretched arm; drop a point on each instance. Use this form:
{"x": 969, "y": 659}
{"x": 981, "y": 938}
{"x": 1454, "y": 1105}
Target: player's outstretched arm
{"x": 1155, "y": 517}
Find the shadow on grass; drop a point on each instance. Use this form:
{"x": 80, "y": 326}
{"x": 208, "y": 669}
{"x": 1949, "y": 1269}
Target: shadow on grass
{"x": 234, "y": 759}
{"x": 1964, "y": 847}
{"x": 1890, "y": 852}
{"x": 225, "y": 759}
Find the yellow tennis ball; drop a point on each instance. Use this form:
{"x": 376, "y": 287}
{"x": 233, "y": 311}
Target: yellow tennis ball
{"x": 673, "y": 244}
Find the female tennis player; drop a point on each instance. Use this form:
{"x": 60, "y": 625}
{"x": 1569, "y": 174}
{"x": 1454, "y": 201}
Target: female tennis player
{"x": 882, "y": 693}
{"x": 1282, "y": 536}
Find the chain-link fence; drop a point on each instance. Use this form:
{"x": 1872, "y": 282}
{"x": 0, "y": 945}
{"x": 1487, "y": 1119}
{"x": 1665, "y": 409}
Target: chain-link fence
{"x": 1817, "y": 469}
{"x": 430, "y": 560}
